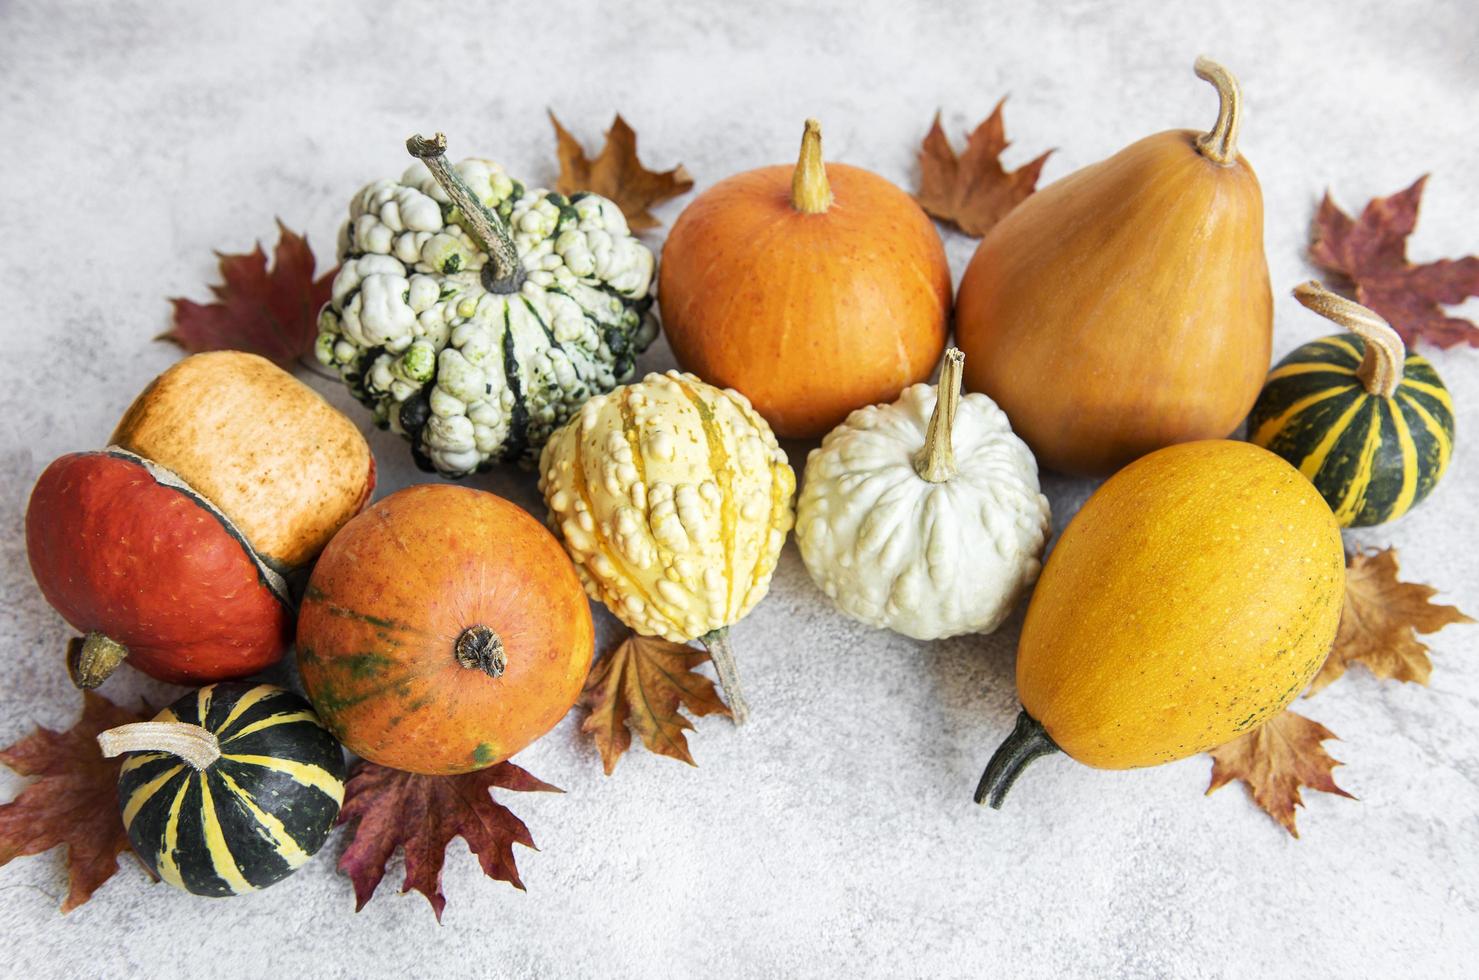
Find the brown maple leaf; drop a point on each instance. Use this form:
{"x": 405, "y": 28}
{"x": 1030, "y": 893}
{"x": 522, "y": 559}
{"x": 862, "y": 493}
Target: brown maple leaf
{"x": 617, "y": 174}
{"x": 1275, "y": 760}
{"x": 973, "y": 191}
{"x": 74, "y": 800}
{"x": 1371, "y": 252}
{"x": 269, "y": 312}
{"x": 1381, "y": 620}
{"x": 421, "y": 814}
{"x": 639, "y": 685}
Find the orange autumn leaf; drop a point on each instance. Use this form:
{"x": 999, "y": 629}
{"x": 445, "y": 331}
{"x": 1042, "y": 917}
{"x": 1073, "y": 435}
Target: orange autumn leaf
{"x": 1275, "y": 760}
{"x": 74, "y": 800}
{"x": 617, "y": 173}
{"x": 268, "y": 311}
{"x": 1381, "y": 620}
{"x": 639, "y": 685}
{"x": 973, "y": 191}
{"x": 1371, "y": 252}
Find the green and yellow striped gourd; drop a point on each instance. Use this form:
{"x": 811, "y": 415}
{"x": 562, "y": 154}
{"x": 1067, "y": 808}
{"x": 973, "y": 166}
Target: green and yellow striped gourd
{"x": 229, "y": 789}
{"x": 1370, "y": 424}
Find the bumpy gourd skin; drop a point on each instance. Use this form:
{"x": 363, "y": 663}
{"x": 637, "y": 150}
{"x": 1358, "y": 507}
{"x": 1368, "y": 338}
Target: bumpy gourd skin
{"x": 928, "y": 560}
{"x": 673, "y": 499}
{"x": 1191, "y": 598}
{"x": 470, "y": 376}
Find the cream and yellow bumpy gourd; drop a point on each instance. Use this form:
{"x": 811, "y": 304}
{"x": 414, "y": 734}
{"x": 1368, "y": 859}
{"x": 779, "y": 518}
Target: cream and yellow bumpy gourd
{"x": 924, "y": 516}
{"x": 673, "y": 499}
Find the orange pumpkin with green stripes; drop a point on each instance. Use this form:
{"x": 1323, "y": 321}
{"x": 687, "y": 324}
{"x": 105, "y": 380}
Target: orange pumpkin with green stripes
{"x": 1370, "y": 424}
{"x": 442, "y": 631}
{"x": 231, "y": 788}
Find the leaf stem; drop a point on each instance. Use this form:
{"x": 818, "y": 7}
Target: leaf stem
{"x": 1220, "y": 144}
{"x": 935, "y": 462}
{"x": 503, "y": 273}
{"x": 810, "y": 191}
{"x": 1382, "y": 364}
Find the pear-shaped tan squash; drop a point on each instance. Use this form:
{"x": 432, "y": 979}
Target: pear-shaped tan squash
{"x": 1126, "y": 307}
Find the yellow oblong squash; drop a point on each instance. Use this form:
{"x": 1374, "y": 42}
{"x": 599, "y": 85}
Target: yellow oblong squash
{"x": 1192, "y": 598}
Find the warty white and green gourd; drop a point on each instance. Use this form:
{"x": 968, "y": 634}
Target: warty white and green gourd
{"x": 473, "y": 315}
{"x": 673, "y": 499}
{"x": 924, "y": 516}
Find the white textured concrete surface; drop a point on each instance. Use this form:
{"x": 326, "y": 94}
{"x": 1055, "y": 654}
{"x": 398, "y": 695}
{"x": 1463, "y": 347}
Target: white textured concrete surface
{"x": 835, "y": 835}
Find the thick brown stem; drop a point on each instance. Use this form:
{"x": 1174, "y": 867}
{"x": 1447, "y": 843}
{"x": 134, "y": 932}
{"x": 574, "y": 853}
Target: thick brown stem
{"x": 504, "y": 273}
{"x": 480, "y": 648}
{"x": 722, "y": 654}
{"x": 1381, "y": 366}
{"x": 1220, "y": 145}
{"x": 810, "y": 192}
{"x": 195, "y": 745}
{"x": 93, "y": 658}
{"x": 936, "y": 461}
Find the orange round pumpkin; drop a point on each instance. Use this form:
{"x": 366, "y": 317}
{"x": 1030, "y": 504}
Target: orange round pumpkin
{"x": 442, "y": 631}
{"x": 810, "y": 290}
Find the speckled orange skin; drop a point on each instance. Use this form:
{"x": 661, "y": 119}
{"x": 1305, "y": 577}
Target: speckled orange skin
{"x": 116, "y": 552}
{"x": 1192, "y": 598}
{"x": 386, "y": 603}
{"x": 808, "y": 315}
{"x": 1123, "y": 308}
{"x": 286, "y": 466}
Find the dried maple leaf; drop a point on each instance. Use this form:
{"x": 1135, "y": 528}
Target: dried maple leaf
{"x": 639, "y": 686}
{"x": 1381, "y": 620}
{"x": 973, "y": 191}
{"x": 73, "y": 802}
{"x": 1275, "y": 760}
{"x": 421, "y": 814}
{"x": 273, "y": 313}
{"x": 1371, "y": 252}
{"x": 617, "y": 174}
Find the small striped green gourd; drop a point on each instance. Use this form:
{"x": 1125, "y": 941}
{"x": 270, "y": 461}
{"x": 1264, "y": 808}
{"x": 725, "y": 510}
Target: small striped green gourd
{"x": 229, "y": 789}
{"x": 1369, "y": 423}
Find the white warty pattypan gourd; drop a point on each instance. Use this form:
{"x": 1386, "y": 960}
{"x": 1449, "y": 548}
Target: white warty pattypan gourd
{"x": 473, "y": 315}
{"x": 924, "y": 516}
{"x": 673, "y": 499}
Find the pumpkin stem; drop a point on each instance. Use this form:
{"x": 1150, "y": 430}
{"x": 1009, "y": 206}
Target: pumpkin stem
{"x": 722, "y": 654}
{"x": 1028, "y": 741}
{"x": 810, "y": 192}
{"x": 481, "y": 648}
{"x": 936, "y": 461}
{"x": 1381, "y": 366}
{"x": 195, "y": 745}
{"x": 503, "y": 273}
{"x": 93, "y": 658}
{"x": 1220, "y": 145}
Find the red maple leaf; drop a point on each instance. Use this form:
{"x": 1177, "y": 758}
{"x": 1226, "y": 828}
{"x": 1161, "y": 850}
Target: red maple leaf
{"x": 1371, "y": 252}
{"x": 269, "y": 312}
{"x": 73, "y": 802}
{"x": 421, "y": 814}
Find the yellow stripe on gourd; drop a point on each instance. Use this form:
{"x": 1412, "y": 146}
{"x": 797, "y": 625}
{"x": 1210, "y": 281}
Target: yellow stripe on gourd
{"x": 1310, "y": 465}
{"x": 1434, "y": 429}
{"x": 287, "y": 848}
{"x": 1404, "y": 499}
{"x": 166, "y": 865}
{"x": 247, "y": 700}
{"x": 1355, "y": 493}
{"x": 145, "y": 793}
{"x": 203, "y": 703}
{"x": 724, "y": 477}
{"x": 272, "y": 721}
{"x": 1308, "y": 367}
{"x": 1340, "y": 343}
{"x": 134, "y": 760}
{"x": 215, "y": 843}
{"x": 1273, "y": 426}
{"x": 308, "y": 775}
{"x": 1432, "y": 391}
